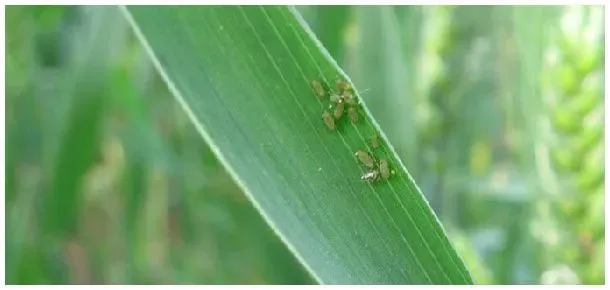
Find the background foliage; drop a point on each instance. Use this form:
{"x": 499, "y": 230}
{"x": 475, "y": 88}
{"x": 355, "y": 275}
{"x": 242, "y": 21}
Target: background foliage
{"x": 496, "y": 111}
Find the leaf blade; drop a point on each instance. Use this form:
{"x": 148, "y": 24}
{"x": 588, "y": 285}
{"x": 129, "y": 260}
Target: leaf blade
{"x": 255, "y": 62}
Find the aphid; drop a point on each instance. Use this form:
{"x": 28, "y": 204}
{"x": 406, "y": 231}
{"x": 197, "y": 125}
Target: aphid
{"x": 365, "y": 158}
{"x": 336, "y": 98}
{"x": 375, "y": 141}
{"x": 342, "y": 85}
{"x": 339, "y": 110}
{"x": 328, "y": 120}
{"x": 348, "y": 97}
{"x": 384, "y": 169}
{"x": 370, "y": 175}
{"x": 318, "y": 88}
{"x": 352, "y": 113}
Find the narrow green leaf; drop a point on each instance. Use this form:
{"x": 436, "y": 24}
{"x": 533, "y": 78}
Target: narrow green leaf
{"x": 79, "y": 129}
{"x": 330, "y": 23}
{"x": 242, "y": 75}
{"x": 387, "y": 73}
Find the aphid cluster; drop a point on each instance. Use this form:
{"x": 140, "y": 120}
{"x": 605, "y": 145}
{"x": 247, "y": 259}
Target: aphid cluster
{"x": 375, "y": 169}
{"x": 341, "y": 101}
{"x": 343, "y": 97}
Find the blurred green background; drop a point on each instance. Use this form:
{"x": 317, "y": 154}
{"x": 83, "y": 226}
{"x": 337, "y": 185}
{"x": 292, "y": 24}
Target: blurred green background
{"x": 496, "y": 111}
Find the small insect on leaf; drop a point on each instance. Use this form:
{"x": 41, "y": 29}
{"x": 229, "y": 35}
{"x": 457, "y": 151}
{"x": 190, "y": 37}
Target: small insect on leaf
{"x": 375, "y": 141}
{"x": 352, "y": 113}
{"x": 336, "y": 98}
{"x": 342, "y": 85}
{"x": 339, "y": 110}
{"x": 348, "y": 97}
{"x": 318, "y": 88}
{"x": 328, "y": 120}
{"x": 365, "y": 158}
{"x": 384, "y": 169}
{"x": 370, "y": 176}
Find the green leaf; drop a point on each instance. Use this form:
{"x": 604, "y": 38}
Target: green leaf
{"x": 329, "y": 23}
{"x": 80, "y": 128}
{"x": 242, "y": 75}
{"x": 387, "y": 73}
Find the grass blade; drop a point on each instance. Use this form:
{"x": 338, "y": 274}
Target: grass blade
{"x": 388, "y": 72}
{"x": 242, "y": 75}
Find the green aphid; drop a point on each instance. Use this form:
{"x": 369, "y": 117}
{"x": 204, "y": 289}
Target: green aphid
{"x": 336, "y": 98}
{"x": 352, "y": 113}
{"x": 328, "y": 120}
{"x": 384, "y": 169}
{"x": 339, "y": 110}
{"x": 365, "y": 158}
{"x": 343, "y": 85}
{"x": 348, "y": 97}
{"x": 318, "y": 88}
{"x": 375, "y": 141}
